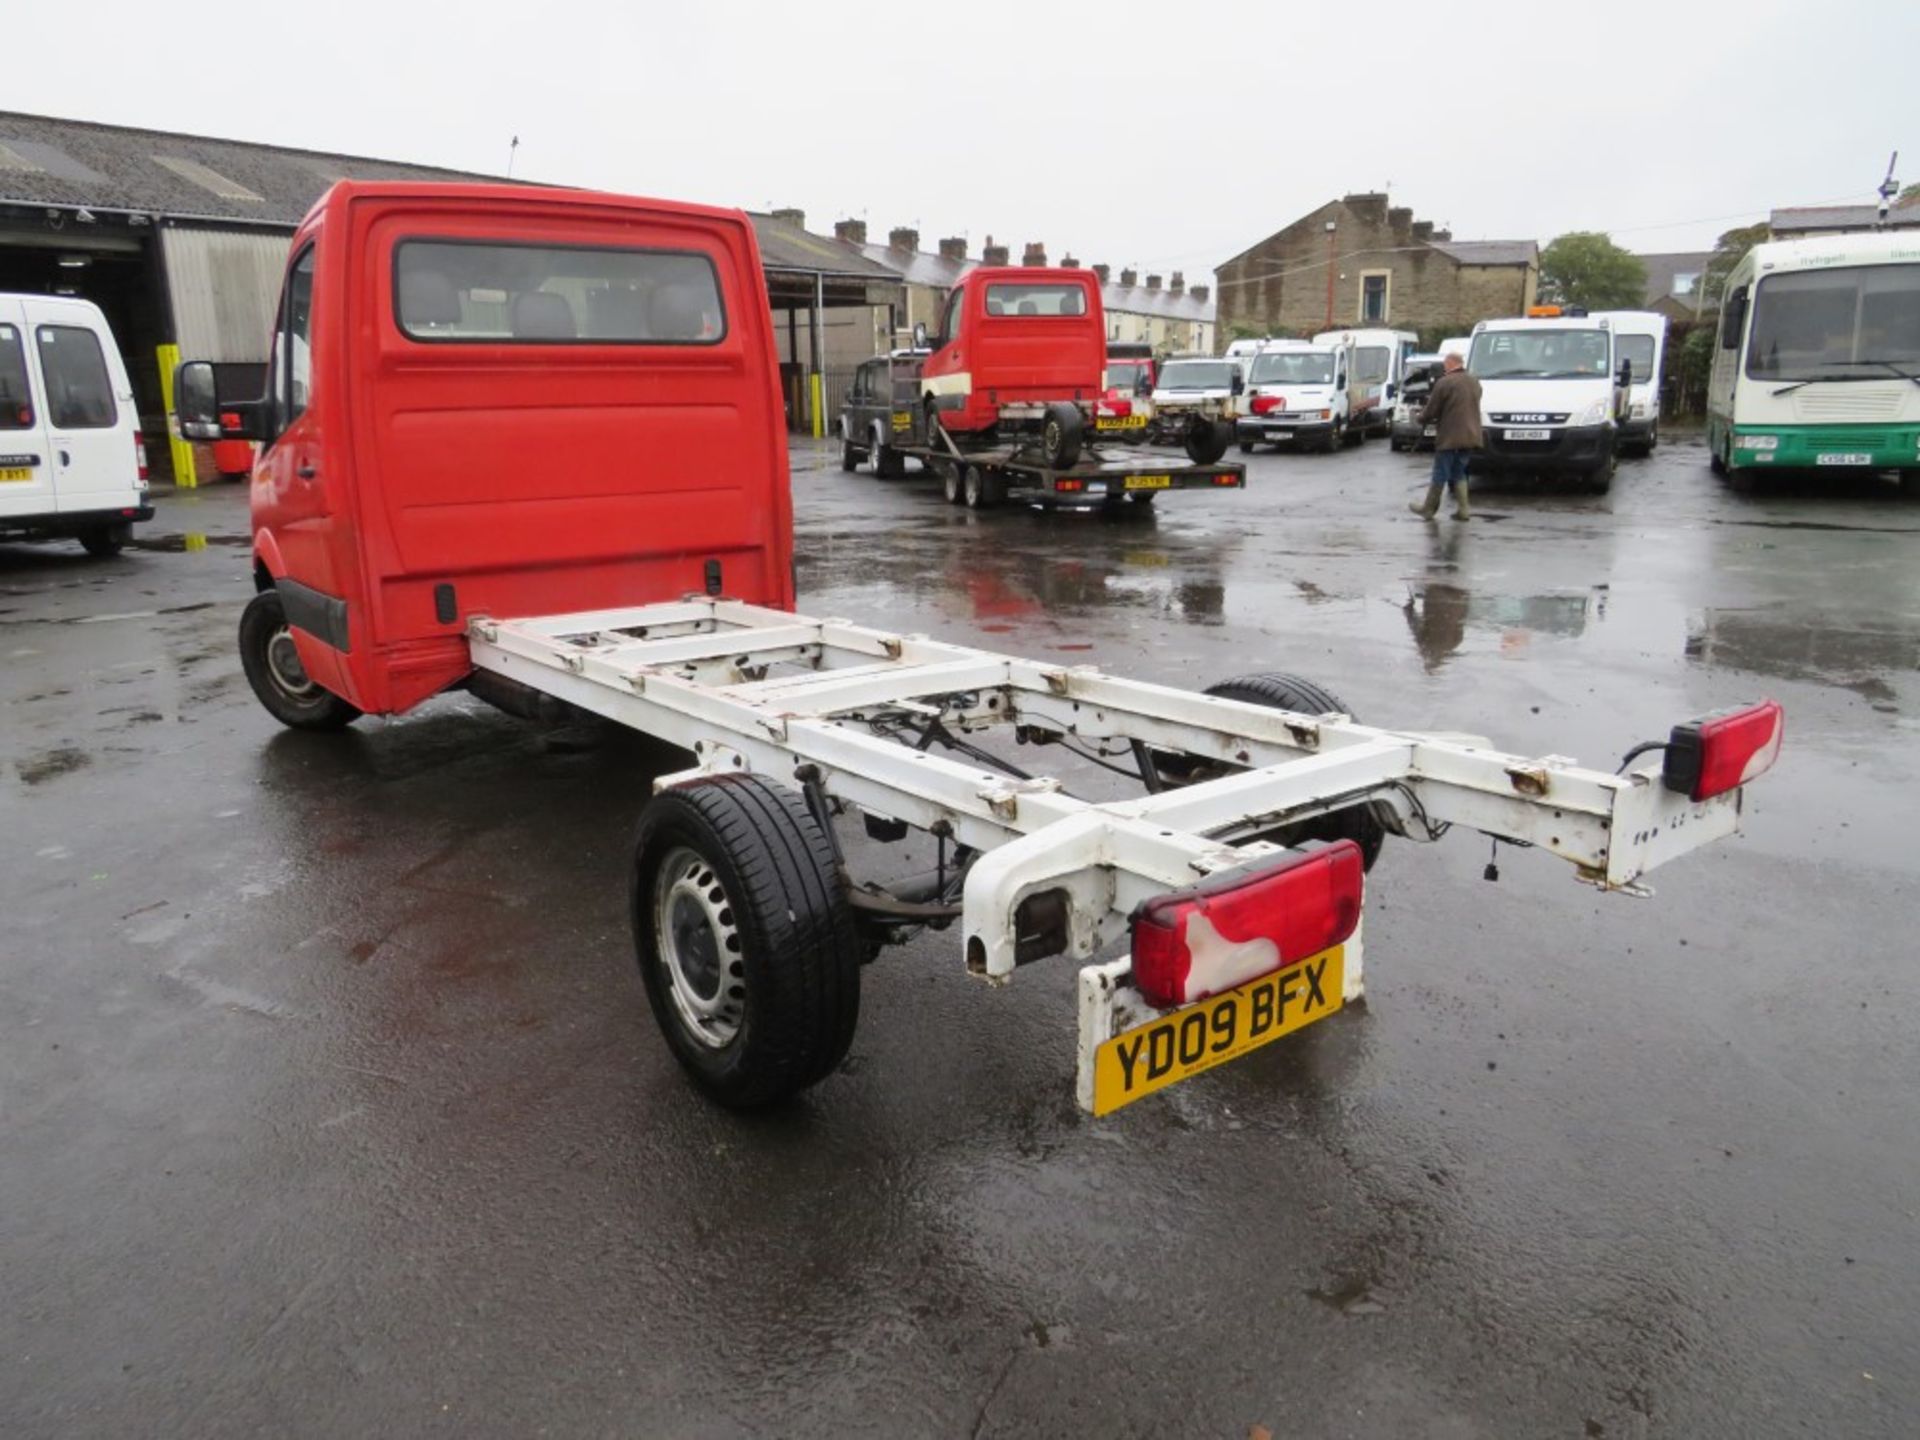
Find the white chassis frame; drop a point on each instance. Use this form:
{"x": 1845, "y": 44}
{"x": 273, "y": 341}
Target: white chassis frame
{"x": 699, "y": 674}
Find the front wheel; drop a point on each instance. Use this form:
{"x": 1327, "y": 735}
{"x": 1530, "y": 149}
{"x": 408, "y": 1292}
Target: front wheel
{"x": 280, "y": 682}
{"x": 748, "y": 949}
{"x": 850, "y": 455}
{"x": 1207, "y": 441}
{"x": 1600, "y": 479}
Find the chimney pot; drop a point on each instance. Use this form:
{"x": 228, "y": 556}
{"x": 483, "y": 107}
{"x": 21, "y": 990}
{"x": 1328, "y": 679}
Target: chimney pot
{"x": 954, "y": 247}
{"x": 1178, "y": 283}
{"x": 794, "y": 217}
{"x": 1201, "y": 293}
{"x": 1443, "y": 234}
{"x": 1423, "y": 229}
{"x": 1104, "y": 272}
{"x": 852, "y": 231}
{"x": 901, "y": 238}
{"x": 1129, "y": 278}
{"x": 992, "y": 254}
{"x": 1069, "y": 263}
{"x": 1036, "y": 253}
{"x": 1153, "y": 282}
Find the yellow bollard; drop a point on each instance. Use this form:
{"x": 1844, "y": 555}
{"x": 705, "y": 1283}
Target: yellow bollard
{"x": 183, "y": 468}
{"x": 819, "y": 407}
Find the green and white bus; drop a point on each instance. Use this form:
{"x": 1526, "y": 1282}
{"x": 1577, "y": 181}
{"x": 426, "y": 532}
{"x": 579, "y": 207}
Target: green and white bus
{"x": 1818, "y": 363}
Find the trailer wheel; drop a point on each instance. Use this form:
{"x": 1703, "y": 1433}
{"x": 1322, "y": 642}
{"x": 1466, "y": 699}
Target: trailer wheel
{"x": 747, "y": 946}
{"x": 1061, "y": 434}
{"x": 1281, "y": 691}
{"x": 280, "y": 682}
{"x": 953, "y": 481}
{"x": 982, "y": 488}
{"x": 1207, "y": 441}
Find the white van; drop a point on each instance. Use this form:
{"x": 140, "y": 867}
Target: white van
{"x": 1640, "y": 340}
{"x": 1379, "y": 370}
{"x": 71, "y": 462}
{"x": 1551, "y": 397}
{"x": 1459, "y": 345}
{"x": 1297, "y": 395}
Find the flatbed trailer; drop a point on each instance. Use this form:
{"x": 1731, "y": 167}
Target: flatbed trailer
{"x": 1130, "y": 478}
{"x": 793, "y": 721}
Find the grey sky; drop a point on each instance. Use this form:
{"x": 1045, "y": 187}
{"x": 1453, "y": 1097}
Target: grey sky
{"x": 1165, "y": 136}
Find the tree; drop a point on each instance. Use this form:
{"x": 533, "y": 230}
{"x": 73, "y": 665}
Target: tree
{"x": 1909, "y": 196}
{"x": 1584, "y": 267}
{"x": 1728, "y": 251}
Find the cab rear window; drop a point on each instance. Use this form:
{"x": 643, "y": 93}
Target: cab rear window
{"x": 450, "y": 290}
{"x": 16, "y": 401}
{"x": 79, "y": 393}
{"x": 1021, "y": 299}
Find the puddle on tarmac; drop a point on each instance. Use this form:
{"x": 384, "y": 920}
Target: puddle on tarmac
{"x": 1799, "y": 647}
{"x": 1439, "y": 615}
{"x": 51, "y": 764}
{"x": 190, "y": 543}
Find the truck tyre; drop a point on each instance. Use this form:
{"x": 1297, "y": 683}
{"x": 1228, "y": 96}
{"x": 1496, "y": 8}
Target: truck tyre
{"x": 982, "y": 489}
{"x": 953, "y": 481}
{"x": 1061, "y": 434}
{"x": 1281, "y": 691}
{"x": 1600, "y": 478}
{"x": 273, "y": 669}
{"x": 1337, "y": 436}
{"x": 1246, "y": 447}
{"x": 748, "y": 949}
{"x": 850, "y": 455}
{"x": 1207, "y": 441}
{"x": 103, "y": 542}
{"x": 888, "y": 463}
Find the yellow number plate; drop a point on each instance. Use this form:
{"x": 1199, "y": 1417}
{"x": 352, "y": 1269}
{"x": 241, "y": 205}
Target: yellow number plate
{"x": 1186, "y": 1042}
{"x": 15, "y": 474}
{"x": 1120, "y": 422}
{"x": 1149, "y": 482}
{"x": 902, "y": 420}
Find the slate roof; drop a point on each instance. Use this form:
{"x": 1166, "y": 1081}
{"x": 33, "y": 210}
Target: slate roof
{"x": 1800, "y": 219}
{"x": 1489, "y": 252}
{"x": 930, "y": 268}
{"x": 70, "y": 163}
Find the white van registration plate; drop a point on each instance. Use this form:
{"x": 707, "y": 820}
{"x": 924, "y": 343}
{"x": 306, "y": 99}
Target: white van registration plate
{"x": 1527, "y": 434}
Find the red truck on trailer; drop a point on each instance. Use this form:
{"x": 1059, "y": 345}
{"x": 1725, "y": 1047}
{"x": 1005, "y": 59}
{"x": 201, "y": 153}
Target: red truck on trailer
{"x": 530, "y": 443}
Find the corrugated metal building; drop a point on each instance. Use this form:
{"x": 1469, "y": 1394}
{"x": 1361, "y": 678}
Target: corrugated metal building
{"x": 181, "y": 240}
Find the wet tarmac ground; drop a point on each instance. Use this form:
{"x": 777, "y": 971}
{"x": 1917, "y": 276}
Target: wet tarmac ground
{"x": 330, "y": 1103}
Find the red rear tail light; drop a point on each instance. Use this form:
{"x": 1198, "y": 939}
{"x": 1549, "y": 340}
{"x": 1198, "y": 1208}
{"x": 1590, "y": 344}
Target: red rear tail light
{"x": 1189, "y": 944}
{"x": 1724, "y": 750}
{"x": 1265, "y": 404}
{"x": 140, "y": 453}
{"x": 1069, "y": 484}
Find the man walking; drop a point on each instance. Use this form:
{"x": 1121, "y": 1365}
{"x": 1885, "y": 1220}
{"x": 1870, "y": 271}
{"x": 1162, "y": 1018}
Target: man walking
{"x": 1453, "y": 409}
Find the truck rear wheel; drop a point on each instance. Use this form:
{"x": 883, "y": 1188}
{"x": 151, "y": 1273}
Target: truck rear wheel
{"x": 748, "y": 949}
{"x": 1207, "y": 441}
{"x": 1061, "y": 434}
{"x": 103, "y": 542}
{"x": 280, "y": 682}
{"x": 1280, "y": 691}
{"x": 953, "y": 480}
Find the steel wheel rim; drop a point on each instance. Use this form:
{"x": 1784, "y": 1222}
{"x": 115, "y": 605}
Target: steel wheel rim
{"x": 698, "y": 941}
{"x": 289, "y": 676}
{"x": 974, "y": 483}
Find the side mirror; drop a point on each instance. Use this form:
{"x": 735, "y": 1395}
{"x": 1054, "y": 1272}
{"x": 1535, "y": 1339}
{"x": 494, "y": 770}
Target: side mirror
{"x": 1143, "y": 385}
{"x": 919, "y": 334}
{"x": 1239, "y": 383}
{"x": 194, "y": 401}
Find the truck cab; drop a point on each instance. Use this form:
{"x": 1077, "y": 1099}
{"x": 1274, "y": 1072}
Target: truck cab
{"x": 71, "y": 462}
{"x": 1020, "y": 353}
{"x": 1551, "y": 396}
{"x": 483, "y": 401}
{"x": 1298, "y": 395}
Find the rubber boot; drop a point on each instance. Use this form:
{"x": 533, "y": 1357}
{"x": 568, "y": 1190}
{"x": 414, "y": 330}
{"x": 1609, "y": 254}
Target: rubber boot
{"x": 1428, "y": 508}
{"x": 1461, "y": 510}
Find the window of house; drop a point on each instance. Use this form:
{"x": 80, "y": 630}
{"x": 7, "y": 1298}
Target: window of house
{"x": 1684, "y": 281}
{"x": 79, "y": 394}
{"x": 1373, "y": 297}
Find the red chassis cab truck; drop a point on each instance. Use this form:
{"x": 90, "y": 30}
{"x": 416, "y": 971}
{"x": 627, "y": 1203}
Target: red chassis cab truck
{"x": 1021, "y": 357}
{"x": 530, "y": 442}
{"x": 487, "y": 402}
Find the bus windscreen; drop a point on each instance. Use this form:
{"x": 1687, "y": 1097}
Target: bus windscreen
{"x": 1843, "y": 324}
